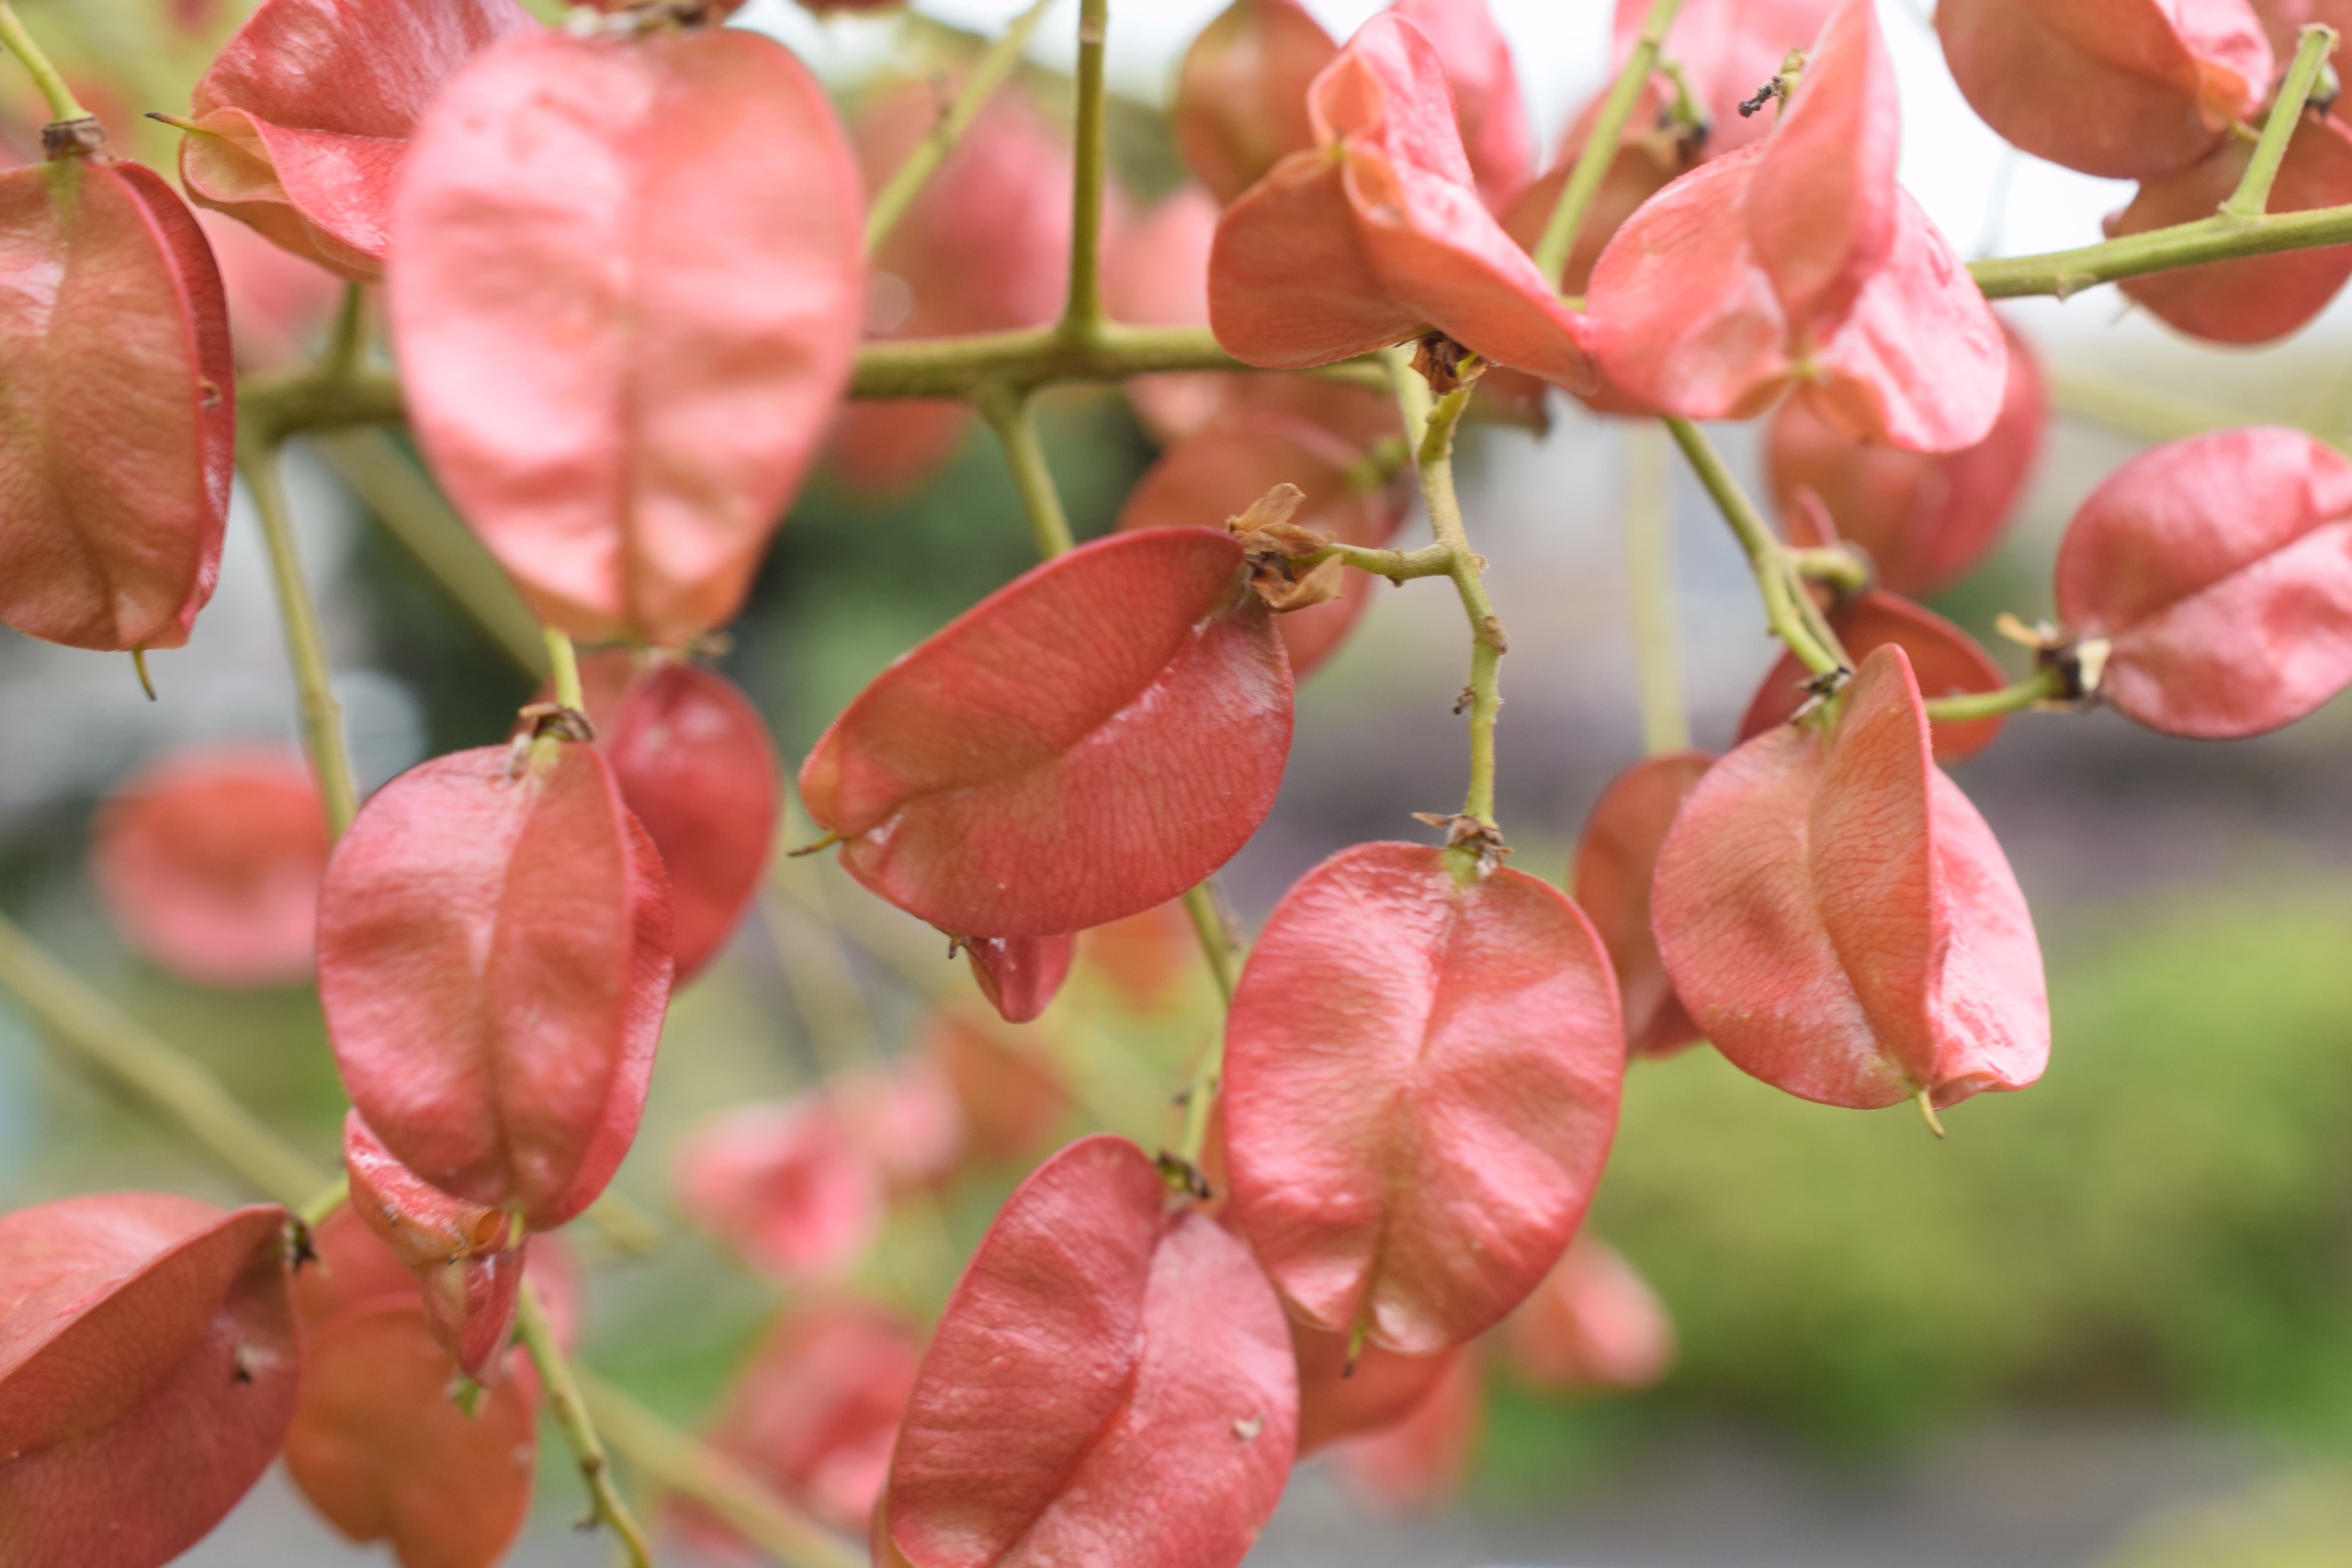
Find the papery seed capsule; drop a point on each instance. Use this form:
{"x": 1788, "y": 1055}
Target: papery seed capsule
{"x": 2215, "y": 575}
{"x": 1422, "y": 1078}
{"x": 148, "y": 1364}
{"x": 494, "y": 965}
{"x": 1838, "y": 919}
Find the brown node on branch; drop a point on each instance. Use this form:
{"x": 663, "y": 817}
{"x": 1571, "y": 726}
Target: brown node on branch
{"x": 1464, "y": 832}
{"x": 81, "y": 138}
{"x": 554, "y": 719}
{"x": 1183, "y": 1175}
{"x": 1283, "y": 570}
{"x": 1440, "y": 360}
{"x": 2078, "y": 662}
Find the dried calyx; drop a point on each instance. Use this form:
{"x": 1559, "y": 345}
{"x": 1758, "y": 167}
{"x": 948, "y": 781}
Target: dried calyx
{"x": 81, "y": 138}
{"x": 1288, "y": 566}
{"x": 2078, "y": 662}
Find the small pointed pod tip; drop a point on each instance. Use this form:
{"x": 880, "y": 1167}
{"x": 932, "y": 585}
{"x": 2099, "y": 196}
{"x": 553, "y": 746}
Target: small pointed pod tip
{"x": 1926, "y": 1104}
{"x": 139, "y": 663}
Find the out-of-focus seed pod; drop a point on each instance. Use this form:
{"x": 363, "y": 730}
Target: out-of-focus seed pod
{"x": 1241, "y": 93}
{"x": 1616, "y": 860}
{"x": 1593, "y": 1324}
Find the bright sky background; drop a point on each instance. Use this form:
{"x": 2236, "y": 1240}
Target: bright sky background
{"x": 1950, "y": 162}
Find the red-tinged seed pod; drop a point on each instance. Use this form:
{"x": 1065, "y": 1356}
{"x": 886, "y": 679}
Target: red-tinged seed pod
{"x": 1209, "y": 478}
{"x": 1012, "y": 1098}
{"x": 815, "y": 1411}
{"x": 1799, "y": 262}
{"x": 786, "y": 1184}
{"x": 1020, "y": 974}
{"x": 1088, "y": 741}
{"x": 1839, "y": 921}
{"x": 1593, "y": 1324}
{"x": 1725, "y": 50}
{"x": 628, "y": 295}
{"x": 381, "y": 1449}
{"x": 119, "y": 407}
{"x": 698, "y": 771}
{"x": 905, "y": 1118}
{"x": 1110, "y": 1383}
{"x": 301, "y": 124}
{"x": 353, "y": 1267}
{"x": 1945, "y": 662}
{"x": 1416, "y": 1465}
{"x": 1421, "y": 1077}
{"x": 983, "y": 247}
{"x": 1487, "y": 105}
{"x": 2256, "y": 299}
{"x": 2214, "y": 575}
{"x": 148, "y": 1365}
{"x": 1342, "y": 1396}
{"x": 468, "y": 1260}
{"x": 1616, "y": 860}
{"x": 2131, "y": 89}
{"x": 1156, "y": 273}
{"x": 1376, "y": 234}
{"x": 1241, "y": 92}
{"x": 1927, "y": 519}
{"x": 494, "y": 965}
{"x": 208, "y": 863}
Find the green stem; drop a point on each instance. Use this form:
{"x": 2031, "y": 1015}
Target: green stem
{"x": 1584, "y": 182}
{"x": 305, "y": 649}
{"x": 989, "y": 71}
{"x": 570, "y": 1410}
{"x": 1839, "y": 568}
{"x": 1215, "y": 929}
{"x": 347, "y": 343}
{"x": 563, "y": 664}
{"x": 1769, "y": 558}
{"x": 62, "y": 105}
{"x": 1649, "y": 570}
{"x": 314, "y": 1211}
{"x": 1014, "y": 419}
{"x": 2220, "y": 238}
{"x": 2252, "y": 198}
{"x": 413, "y": 511}
{"x": 1398, "y": 566}
{"x": 74, "y": 1014}
{"x": 1082, "y": 315}
{"x": 717, "y": 1482}
{"x": 2042, "y": 686}
{"x": 1430, "y": 427}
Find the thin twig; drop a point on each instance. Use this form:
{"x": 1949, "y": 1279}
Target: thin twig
{"x": 2252, "y": 198}
{"x": 75, "y": 1015}
{"x": 1584, "y": 182}
{"x": 62, "y": 105}
{"x": 412, "y": 511}
{"x": 1082, "y": 314}
{"x": 305, "y": 649}
{"x": 2042, "y": 686}
{"x": 989, "y": 71}
{"x": 570, "y": 1410}
{"x": 1649, "y": 574}
{"x": 716, "y": 1481}
{"x": 1786, "y": 605}
{"x": 1014, "y": 419}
